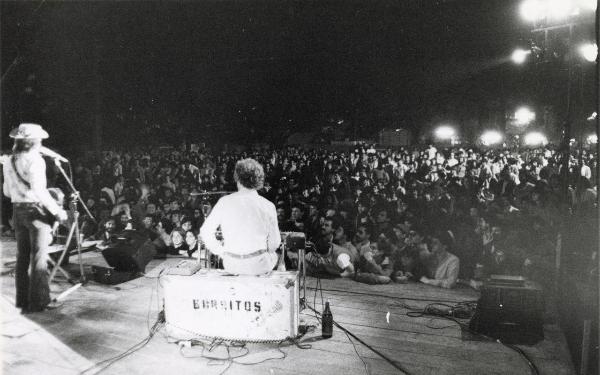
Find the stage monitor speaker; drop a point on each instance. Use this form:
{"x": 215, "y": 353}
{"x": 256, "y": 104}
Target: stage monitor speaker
{"x": 512, "y": 313}
{"x": 130, "y": 251}
{"x": 105, "y": 275}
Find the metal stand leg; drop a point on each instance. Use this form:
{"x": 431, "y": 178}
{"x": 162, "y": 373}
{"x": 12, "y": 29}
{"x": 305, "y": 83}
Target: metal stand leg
{"x": 302, "y": 269}
{"x": 74, "y": 231}
{"x": 56, "y": 265}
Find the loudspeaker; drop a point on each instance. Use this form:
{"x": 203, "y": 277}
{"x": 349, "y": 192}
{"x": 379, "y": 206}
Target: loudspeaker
{"x": 511, "y": 313}
{"x": 131, "y": 251}
{"x": 104, "y": 275}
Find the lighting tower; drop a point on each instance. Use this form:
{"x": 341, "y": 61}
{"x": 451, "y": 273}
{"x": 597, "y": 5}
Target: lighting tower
{"x": 550, "y": 19}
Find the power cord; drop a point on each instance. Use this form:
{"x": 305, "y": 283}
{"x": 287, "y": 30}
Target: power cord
{"x": 152, "y": 330}
{"x": 350, "y": 334}
{"x": 458, "y": 310}
{"x": 112, "y": 360}
{"x": 464, "y": 310}
{"x": 208, "y": 347}
{"x": 347, "y": 332}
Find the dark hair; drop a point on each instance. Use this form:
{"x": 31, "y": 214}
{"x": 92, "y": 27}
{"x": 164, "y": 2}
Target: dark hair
{"x": 446, "y": 238}
{"x": 24, "y": 144}
{"x": 249, "y": 173}
{"x": 322, "y": 246}
{"x": 336, "y": 222}
{"x": 166, "y": 224}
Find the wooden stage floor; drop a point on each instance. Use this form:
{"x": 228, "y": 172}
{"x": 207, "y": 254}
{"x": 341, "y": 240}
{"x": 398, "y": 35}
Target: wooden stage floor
{"x": 98, "y": 322}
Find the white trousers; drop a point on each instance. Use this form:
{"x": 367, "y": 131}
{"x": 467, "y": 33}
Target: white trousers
{"x": 257, "y": 265}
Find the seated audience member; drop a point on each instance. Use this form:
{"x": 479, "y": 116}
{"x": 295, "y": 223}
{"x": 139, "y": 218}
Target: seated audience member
{"x": 442, "y": 267}
{"x": 341, "y": 238}
{"x": 186, "y": 223}
{"x": 374, "y": 265}
{"x": 331, "y": 259}
{"x": 313, "y": 223}
{"x": 362, "y": 239}
{"x": 193, "y": 245}
{"x": 337, "y": 260}
{"x": 296, "y": 222}
{"x": 163, "y": 240}
{"x": 106, "y": 231}
{"x": 178, "y": 243}
{"x": 197, "y": 219}
{"x": 124, "y": 222}
{"x": 148, "y": 227}
{"x": 407, "y": 266}
{"x": 281, "y": 221}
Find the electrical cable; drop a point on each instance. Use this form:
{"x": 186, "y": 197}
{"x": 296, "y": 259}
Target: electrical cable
{"x": 231, "y": 359}
{"x": 112, "y": 360}
{"x": 152, "y": 330}
{"x": 350, "y": 334}
{"x": 389, "y": 296}
{"x": 359, "y": 356}
{"x": 450, "y": 314}
{"x": 387, "y": 359}
{"x": 460, "y": 310}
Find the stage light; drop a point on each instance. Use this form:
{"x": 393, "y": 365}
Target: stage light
{"x": 519, "y": 55}
{"x": 524, "y": 116}
{"x": 592, "y": 139}
{"x": 559, "y": 9}
{"x": 589, "y": 51}
{"x": 491, "y": 137}
{"x": 535, "y": 139}
{"x": 589, "y": 4}
{"x": 532, "y": 10}
{"x": 445, "y": 132}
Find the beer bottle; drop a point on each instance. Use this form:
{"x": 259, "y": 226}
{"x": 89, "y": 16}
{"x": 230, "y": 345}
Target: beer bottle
{"x": 327, "y": 322}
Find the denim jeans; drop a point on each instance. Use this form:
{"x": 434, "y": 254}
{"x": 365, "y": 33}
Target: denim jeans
{"x": 33, "y": 235}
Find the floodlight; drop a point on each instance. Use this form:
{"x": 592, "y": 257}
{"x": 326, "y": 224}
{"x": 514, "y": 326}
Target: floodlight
{"x": 592, "y": 139}
{"x": 559, "y": 9}
{"x": 519, "y": 55}
{"x": 535, "y": 139}
{"x": 491, "y": 137}
{"x": 589, "y": 4}
{"x": 532, "y": 10}
{"x": 524, "y": 116}
{"x": 589, "y": 51}
{"x": 445, "y": 132}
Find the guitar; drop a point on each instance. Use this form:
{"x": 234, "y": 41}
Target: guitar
{"x": 56, "y": 193}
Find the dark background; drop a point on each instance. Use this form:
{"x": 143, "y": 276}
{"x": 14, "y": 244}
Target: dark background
{"x": 246, "y": 71}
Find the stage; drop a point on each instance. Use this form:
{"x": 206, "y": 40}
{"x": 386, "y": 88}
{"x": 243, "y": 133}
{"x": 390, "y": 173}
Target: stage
{"x": 98, "y": 322}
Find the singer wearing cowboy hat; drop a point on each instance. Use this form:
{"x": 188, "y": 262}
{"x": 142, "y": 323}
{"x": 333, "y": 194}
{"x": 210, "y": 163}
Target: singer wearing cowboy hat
{"x": 25, "y": 185}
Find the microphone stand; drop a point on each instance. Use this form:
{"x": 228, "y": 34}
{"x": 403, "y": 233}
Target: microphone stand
{"x": 74, "y": 232}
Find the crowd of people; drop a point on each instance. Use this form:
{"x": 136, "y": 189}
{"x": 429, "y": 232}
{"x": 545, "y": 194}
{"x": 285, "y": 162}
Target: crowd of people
{"x": 374, "y": 215}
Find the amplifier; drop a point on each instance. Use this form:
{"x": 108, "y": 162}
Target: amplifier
{"x": 512, "y": 313}
{"x": 214, "y": 303}
{"x": 104, "y": 275}
{"x": 131, "y": 251}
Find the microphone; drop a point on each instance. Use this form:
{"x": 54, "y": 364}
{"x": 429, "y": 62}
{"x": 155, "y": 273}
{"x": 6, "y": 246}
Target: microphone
{"x": 52, "y": 154}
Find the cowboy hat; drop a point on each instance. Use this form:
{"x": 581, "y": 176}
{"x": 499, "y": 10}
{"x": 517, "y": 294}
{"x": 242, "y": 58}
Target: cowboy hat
{"x": 28, "y": 131}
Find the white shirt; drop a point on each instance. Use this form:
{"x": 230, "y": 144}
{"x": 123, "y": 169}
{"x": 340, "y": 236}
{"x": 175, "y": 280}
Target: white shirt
{"x": 32, "y": 169}
{"x": 248, "y": 223}
{"x": 586, "y": 172}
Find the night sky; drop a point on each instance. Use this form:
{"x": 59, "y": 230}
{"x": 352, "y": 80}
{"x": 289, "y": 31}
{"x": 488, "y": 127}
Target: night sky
{"x": 258, "y": 70}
